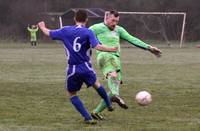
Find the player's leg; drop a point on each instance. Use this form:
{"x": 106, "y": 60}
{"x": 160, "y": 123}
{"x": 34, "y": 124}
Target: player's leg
{"x": 104, "y": 62}
{"x": 90, "y": 79}
{"x": 114, "y": 81}
{"x": 113, "y": 84}
{"x": 113, "y": 94}
{"x": 77, "y": 103}
{"x": 102, "y": 105}
{"x": 96, "y": 113}
{"x": 73, "y": 84}
{"x": 110, "y": 66}
{"x": 102, "y": 92}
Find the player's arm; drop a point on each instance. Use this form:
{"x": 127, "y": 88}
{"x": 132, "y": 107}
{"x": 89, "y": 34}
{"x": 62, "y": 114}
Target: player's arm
{"x": 106, "y": 49}
{"x": 137, "y": 42}
{"x": 43, "y": 28}
{"x": 36, "y": 28}
{"x": 54, "y": 34}
{"x": 28, "y": 28}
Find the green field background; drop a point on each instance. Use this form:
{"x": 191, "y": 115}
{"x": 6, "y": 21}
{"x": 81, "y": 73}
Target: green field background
{"x": 33, "y": 98}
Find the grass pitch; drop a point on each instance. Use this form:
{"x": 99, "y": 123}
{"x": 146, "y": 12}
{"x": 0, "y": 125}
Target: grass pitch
{"x": 33, "y": 98}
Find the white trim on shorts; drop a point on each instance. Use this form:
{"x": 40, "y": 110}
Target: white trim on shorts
{"x": 90, "y": 68}
{"x": 73, "y": 71}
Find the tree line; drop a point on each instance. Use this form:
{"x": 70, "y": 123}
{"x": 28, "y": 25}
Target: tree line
{"x": 17, "y": 14}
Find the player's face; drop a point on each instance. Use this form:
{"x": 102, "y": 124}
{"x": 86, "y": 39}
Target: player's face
{"x": 112, "y": 21}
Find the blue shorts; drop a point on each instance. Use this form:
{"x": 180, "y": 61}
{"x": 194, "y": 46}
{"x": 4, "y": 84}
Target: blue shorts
{"x": 79, "y": 74}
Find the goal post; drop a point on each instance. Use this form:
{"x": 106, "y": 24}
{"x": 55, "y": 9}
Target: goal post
{"x": 60, "y": 22}
{"x": 164, "y": 13}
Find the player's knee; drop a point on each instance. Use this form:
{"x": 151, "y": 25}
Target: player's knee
{"x": 71, "y": 94}
{"x": 96, "y": 85}
{"x": 113, "y": 74}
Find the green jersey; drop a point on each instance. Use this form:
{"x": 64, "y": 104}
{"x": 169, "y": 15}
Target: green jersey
{"x": 112, "y": 38}
{"x": 33, "y": 33}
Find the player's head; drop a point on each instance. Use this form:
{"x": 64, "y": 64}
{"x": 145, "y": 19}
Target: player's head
{"x": 111, "y": 19}
{"x": 33, "y": 26}
{"x": 81, "y": 16}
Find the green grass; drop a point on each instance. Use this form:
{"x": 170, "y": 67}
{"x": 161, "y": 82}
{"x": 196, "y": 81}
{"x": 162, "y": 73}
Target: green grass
{"x": 33, "y": 98}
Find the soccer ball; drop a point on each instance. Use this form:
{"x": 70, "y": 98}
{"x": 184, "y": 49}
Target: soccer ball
{"x": 143, "y": 98}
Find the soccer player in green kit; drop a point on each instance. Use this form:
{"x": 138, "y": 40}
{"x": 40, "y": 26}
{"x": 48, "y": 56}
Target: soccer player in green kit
{"x": 33, "y": 33}
{"x": 109, "y": 33}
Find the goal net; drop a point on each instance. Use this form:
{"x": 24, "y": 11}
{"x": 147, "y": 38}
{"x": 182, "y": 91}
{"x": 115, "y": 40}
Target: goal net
{"x": 163, "y": 28}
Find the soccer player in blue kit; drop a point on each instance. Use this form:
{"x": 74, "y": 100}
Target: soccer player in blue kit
{"x": 78, "y": 41}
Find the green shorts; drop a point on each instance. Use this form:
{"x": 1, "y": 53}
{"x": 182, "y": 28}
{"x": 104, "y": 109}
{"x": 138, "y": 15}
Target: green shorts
{"x": 109, "y": 63}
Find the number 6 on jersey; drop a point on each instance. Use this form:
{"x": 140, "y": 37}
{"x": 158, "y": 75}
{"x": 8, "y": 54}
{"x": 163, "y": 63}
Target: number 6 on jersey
{"x": 76, "y": 45}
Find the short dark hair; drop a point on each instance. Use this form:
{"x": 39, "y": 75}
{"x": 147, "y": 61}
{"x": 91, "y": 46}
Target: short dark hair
{"x": 81, "y": 15}
{"x": 114, "y": 12}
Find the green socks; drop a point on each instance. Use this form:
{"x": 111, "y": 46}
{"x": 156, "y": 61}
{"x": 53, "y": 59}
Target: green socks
{"x": 102, "y": 105}
{"x": 113, "y": 85}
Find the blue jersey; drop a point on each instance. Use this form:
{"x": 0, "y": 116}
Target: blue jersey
{"x": 78, "y": 41}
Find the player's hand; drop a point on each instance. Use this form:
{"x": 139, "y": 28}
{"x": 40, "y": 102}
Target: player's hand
{"x": 157, "y": 52}
{"x": 43, "y": 28}
{"x": 41, "y": 24}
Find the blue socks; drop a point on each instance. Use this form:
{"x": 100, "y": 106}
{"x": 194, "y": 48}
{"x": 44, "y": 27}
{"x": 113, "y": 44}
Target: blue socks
{"x": 80, "y": 107}
{"x": 102, "y": 92}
